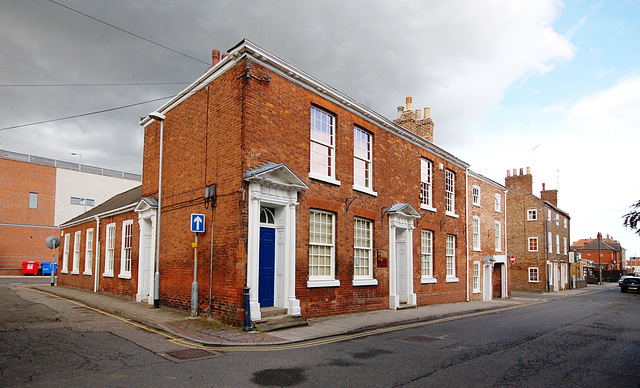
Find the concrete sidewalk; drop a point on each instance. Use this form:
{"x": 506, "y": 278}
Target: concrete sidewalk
{"x": 177, "y": 323}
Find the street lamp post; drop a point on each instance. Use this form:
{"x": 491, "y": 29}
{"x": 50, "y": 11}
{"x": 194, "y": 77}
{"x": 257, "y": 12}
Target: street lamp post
{"x": 156, "y": 280}
{"x": 546, "y": 248}
{"x": 599, "y": 258}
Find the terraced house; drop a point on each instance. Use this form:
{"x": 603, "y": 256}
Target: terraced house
{"x": 313, "y": 202}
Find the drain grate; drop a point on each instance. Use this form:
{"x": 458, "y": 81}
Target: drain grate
{"x": 190, "y": 354}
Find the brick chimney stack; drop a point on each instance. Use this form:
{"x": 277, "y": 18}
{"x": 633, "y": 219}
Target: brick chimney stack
{"x": 549, "y": 195}
{"x": 520, "y": 183}
{"x": 412, "y": 120}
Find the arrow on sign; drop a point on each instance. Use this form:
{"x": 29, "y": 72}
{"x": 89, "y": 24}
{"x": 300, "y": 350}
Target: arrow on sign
{"x": 198, "y": 222}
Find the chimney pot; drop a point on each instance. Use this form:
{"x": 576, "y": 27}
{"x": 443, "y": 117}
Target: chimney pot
{"x": 543, "y": 188}
{"x": 528, "y": 170}
{"x": 427, "y": 112}
{"x": 409, "y": 100}
{"x": 418, "y": 115}
{"x": 215, "y": 57}
{"x": 508, "y": 173}
{"x": 521, "y": 171}
{"x": 515, "y": 172}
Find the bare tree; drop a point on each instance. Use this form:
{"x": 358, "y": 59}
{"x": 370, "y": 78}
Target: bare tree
{"x": 632, "y": 219}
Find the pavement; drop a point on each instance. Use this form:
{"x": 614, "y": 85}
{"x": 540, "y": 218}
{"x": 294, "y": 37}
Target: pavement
{"x": 177, "y": 323}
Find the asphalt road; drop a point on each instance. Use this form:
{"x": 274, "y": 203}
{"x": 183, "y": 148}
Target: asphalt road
{"x": 591, "y": 340}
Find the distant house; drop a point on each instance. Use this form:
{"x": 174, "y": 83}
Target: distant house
{"x": 38, "y": 194}
{"x": 538, "y": 236}
{"x": 613, "y": 255}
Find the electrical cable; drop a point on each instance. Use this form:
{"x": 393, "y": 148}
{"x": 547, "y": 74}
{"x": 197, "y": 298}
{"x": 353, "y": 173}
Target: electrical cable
{"x": 84, "y": 114}
{"x": 130, "y": 33}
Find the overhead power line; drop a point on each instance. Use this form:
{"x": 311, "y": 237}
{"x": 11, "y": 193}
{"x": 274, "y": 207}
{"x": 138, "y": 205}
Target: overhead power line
{"x": 130, "y": 33}
{"x": 84, "y": 114}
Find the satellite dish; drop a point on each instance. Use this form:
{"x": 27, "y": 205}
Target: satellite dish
{"x": 52, "y": 242}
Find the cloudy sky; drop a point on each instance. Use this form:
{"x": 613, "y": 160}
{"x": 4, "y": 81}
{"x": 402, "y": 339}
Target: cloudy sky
{"x": 548, "y": 84}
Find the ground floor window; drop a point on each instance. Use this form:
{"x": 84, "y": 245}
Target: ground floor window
{"x": 476, "y": 276}
{"x": 363, "y": 252}
{"x": 109, "y": 256}
{"x": 533, "y": 275}
{"x": 127, "y": 244}
{"x": 451, "y": 257}
{"x": 426, "y": 256}
{"x": 321, "y": 247}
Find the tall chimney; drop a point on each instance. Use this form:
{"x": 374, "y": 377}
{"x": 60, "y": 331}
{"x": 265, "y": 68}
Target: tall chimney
{"x": 409, "y": 101}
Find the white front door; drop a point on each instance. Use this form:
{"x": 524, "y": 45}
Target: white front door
{"x": 401, "y": 261}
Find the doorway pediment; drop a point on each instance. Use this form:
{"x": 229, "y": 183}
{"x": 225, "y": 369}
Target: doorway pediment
{"x": 276, "y": 175}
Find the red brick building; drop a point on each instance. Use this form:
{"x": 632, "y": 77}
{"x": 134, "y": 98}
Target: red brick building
{"x": 613, "y": 255}
{"x": 488, "y": 262}
{"x": 314, "y": 202}
{"x": 37, "y": 194}
{"x": 538, "y": 236}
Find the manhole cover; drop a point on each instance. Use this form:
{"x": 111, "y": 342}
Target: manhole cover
{"x": 189, "y": 354}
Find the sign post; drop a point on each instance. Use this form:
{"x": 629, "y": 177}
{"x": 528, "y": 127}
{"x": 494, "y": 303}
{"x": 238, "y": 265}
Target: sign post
{"x": 197, "y": 226}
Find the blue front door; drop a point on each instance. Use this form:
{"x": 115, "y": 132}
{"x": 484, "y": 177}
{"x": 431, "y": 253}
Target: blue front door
{"x": 266, "y": 266}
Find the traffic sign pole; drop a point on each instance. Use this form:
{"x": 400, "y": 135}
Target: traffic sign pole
{"x": 194, "y": 285}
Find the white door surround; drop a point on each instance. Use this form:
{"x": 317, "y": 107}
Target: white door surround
{"x": 147, "y": 211}
{"x": 276, "y": 186}
{"x": 401, "y": 228}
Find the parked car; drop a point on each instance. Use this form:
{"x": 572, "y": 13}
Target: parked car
{"x": 630, "y": 284}
{"x": 622, "y": 279}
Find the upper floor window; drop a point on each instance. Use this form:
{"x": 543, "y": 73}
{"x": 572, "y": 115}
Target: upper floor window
{"x": 476, "y": 233}
{"x": 450, "y": 193}
{"x": 532, "y": 215}
{"x": 362, "y": 160}
{"x": 321, "y": 250}
{"x": 533, "y": 275}
{"x": 549, "y": 243}
{"x": 498, "y": 244}
{"x": 498, "y": 203}
{"x": 33, "y": 200}
{"x": 476, "y": 195}
{"x": 426, "y": 176}
{"x": 548, "y": 215}
{"x": 127, "y": 245}
{"x": 363, "y": 253}
{"x": 557, "y": 244}
{"x": 533, "y": 244}
{"x": 322, "y": 145}
{"x": 564, "y": 244}
{"x": 565, "y": 223}
{"x": 82, "y": 201}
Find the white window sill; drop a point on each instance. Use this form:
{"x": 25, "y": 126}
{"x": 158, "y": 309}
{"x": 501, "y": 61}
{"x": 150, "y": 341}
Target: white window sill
{"x": 124, "y": 276}
{"x": 477, "y": 205}
{"x": 74, "y": 272}
{"x": 364, "y": 282}
{"x": 477, "y": 250}
{"x": 324, "y": 178}
{"x": 428, "y": 208}
{"x": 428, "y": 280}
{"x": 454, "y": 215}
{"x": 107, "y": 275}
{"x": 476, "y": 291}
{"x": 452, "y": 279}
{"x": 365, "y": 190}
{"x": 86, "y": 273}
{"x": 323, "y": 283}
{"x": 64, "y": 271}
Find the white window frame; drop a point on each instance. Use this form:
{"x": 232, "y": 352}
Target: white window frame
{"x": 426, "y": 185}
{"x": 550, "y": 242}
{"x": 364, "y": 158}
{"x": 88, "y": 252}
{"x": 476, "y": 277}
{"x": 65, "y": 253}
{"x": 532, "y": 214}
{"x": 548, "y": 214}
{"x": 532, "y": 240}
{"x": 363, "y": 250}
{"x": 75, "y": 265}
{"x": 451, "y": 258}
{"x": 475, "y": 226}
{"x": 475, "y": 195}
{"x": 426, "y": 257}
{"x": 565, "y": 223}
{"x": 33, "y": 200}
{"x": 557, "y": 244}
{"x": 318, "y": 169}
{"x": 109, "y": 250}
{"x": 126, "y": 250}
{"x": 498, "y": 230}
{"x": 536, "y": 275}
{"x": 450, "y": 193}
{"x": 564, "y": 244}
{"x": 498, "y": 203}
{"x": 322, "y": 231}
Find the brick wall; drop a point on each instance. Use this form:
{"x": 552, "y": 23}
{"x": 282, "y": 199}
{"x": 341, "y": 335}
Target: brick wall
{"x": 25, "y": 230}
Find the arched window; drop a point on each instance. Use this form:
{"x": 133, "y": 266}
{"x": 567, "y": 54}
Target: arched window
{"x": 267, "y": 215}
